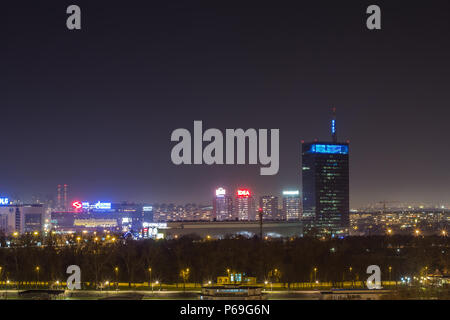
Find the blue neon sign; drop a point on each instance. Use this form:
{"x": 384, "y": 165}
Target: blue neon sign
{"x": 99, "y": 205}
{"x": 329, "y": 148}
{"x": 333, "y": 126}
{"x": 4, "y": 201}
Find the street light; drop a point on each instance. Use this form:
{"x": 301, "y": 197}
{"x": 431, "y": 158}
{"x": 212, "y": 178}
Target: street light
{"x": 116, "y": 270}
{"x": 150, "y": 272}
{"x": 37, "y": 271}
{"x": 390, "y": 271}
{"x": 185, "y": 275}
{"x": 7, "y": 285}
{"x": 315, "y": 274}
{"x": 351, "y": 277}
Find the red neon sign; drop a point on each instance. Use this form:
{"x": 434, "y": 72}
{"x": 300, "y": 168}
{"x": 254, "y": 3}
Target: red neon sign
{"x": 77, "y": 204}
{"x": 243, "y": 193}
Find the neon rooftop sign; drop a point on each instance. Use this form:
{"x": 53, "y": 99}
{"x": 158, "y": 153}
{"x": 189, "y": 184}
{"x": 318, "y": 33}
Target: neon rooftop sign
{"x": 243, "y": 193}
{"x": 329, "y": 148}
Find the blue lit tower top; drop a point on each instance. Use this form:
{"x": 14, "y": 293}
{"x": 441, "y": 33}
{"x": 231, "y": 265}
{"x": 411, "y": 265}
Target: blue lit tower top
{"x": 333, "y": 126}
{"x": 325, "y": 185}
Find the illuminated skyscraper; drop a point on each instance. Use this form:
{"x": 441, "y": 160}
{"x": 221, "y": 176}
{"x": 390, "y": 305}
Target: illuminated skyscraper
{"x": 325, "y": 179}
{"x": 269, "y": 206}
{"x": 223, "y": 205}
{"x": 244, "y": 205}
{"x": 291, "y": 205}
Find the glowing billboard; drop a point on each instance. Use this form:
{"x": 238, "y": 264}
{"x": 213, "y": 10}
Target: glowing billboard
{"x": 4, "y": 201}
{"x": 77, "y": 204}
{"x": 220, "y": 192}
{"x": 291, "y": 193}
{"x": 99, "y": 205}
{"x": 329, "y": 148}
{"x": 243, "y": 193}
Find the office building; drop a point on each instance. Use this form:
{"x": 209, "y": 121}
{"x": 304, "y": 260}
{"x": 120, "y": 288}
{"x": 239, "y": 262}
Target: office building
{"x": 223, "y": 206}
{"x": 325, "y": 180}
{"x": 291, "y": 205}
{"x": 244, "y": 205}
{"x": 269, "y": 206}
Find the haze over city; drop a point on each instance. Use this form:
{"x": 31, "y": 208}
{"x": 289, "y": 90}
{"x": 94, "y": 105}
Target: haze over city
{"x": 95, "y": 109}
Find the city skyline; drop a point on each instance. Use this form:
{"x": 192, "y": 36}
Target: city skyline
{"x": 100, "y": 104}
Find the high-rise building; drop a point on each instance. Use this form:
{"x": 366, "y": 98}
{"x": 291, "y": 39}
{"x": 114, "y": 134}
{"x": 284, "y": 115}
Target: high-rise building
{"x": 269, "y": 206}
{"x": 291, "y": 205}
{"x": 222, "y": 205}
{"x": 325, "y": 179}
{"x": 244, "y": 205}
{"x": 21, "y": 218}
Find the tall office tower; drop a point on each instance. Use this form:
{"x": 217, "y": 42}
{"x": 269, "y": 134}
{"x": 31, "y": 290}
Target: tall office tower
{"x": 65, "y": 197}
{"x": 325, "y": 178}
{"x": 58, "y": 197}
{"x": 222, "y": 205}
{"x": 291, "y": 205}
{"x": 244, "y": 205}
{"x": 269, "y": 206}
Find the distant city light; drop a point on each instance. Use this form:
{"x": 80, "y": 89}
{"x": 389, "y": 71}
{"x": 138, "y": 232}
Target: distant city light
{"x": 329, "y": 148}
{"x": 99, "y": 205}
{"x": 77, "y": 205}
{"x": 220, "y": 192}
{"x": 243, "y": 193}
{"x": 291, "y": 193}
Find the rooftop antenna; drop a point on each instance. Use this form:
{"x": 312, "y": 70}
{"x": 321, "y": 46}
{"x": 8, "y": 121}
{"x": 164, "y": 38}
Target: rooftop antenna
{"x": 333, "y": 126}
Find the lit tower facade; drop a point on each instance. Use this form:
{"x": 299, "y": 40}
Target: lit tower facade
{"x": 325, "y": 180}
{"x": 222, "y": 205}
{"x": 291, "y": 205}
{"x": 269, "y": 206}
{"x": 244, "y": 205}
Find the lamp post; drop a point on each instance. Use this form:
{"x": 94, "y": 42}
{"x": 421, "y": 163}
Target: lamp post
{"x": 150, "y": 279}
{"x": 351, "y": 276}
{"x": 315, "y": 274}
{"x": 185, "y": 275}
{"x": 116, "y": 270}
{"x": 390, "y": 272}
{"x": 37, "y": 271}
{"x": 7, "y": 285}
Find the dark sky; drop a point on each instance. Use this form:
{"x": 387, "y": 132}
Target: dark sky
{"x": 95, "y": 108}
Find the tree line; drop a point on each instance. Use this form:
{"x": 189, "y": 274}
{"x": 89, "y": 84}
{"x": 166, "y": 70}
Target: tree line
{"x": 29, "y": 258}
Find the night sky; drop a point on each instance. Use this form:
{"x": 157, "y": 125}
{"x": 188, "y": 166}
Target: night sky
{"x": 95, "y": 108}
